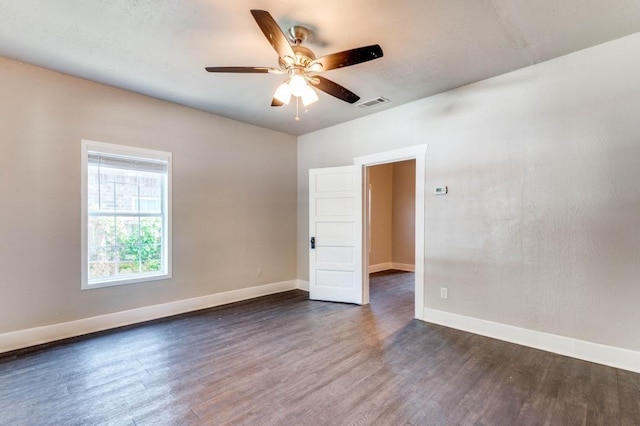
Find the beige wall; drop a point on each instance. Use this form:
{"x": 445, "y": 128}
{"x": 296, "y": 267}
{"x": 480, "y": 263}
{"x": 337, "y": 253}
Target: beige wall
{"x": 540, "y": 228}
{"x": 404, "y": 212}
{"x": 392, "y": 229}
{"x": 234, "y": 197}
{"x": 381, "y": 181}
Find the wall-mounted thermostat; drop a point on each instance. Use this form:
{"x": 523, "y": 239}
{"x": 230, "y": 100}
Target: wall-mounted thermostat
{"x": 440, "y": 190}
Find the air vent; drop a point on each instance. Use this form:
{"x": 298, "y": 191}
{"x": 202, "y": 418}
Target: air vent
{"x": 373, "y": 102}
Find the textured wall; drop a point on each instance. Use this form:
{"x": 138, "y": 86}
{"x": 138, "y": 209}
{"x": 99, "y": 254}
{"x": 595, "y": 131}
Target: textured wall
{"x": 234, "y": 197}
{"x": 541, "y": 227}
{"x": 381, "y": 181}
{"x": 404, "y": 212}
{"x": 392, "y": 227}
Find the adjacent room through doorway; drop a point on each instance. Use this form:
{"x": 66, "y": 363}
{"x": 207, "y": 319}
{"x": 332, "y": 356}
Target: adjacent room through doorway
{"x": 391, "y": 235}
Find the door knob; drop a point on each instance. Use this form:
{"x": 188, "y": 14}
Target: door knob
{"x": 313, "y": 242}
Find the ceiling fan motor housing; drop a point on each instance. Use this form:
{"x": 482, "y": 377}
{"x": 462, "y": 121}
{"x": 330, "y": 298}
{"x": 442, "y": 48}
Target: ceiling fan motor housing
{"x": 303, "y": 57}
{"x": 298, "y": 34}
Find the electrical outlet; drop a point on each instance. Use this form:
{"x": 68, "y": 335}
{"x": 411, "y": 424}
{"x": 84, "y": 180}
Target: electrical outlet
{"x": 444, "y": 293}
{"x": 259, "y": 271}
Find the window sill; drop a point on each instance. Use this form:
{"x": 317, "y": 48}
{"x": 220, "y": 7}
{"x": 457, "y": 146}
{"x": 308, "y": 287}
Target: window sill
{"x": 124, "y": 281}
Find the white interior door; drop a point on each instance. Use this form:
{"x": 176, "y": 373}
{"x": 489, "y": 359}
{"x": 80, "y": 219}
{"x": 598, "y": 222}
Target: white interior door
{"x": 335, "y": 228}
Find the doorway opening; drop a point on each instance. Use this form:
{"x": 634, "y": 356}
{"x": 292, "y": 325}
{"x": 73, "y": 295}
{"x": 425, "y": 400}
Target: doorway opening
{"x": 390, "y": 224}
{"x": 418, "y": 154}
{"x": 338, "y": 254}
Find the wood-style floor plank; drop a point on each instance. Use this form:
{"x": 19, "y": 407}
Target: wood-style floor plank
{"x": 286, "y": 360}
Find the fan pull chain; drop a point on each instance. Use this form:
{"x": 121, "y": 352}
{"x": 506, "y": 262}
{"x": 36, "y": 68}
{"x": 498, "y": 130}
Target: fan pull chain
{"x": 297, "y": 108}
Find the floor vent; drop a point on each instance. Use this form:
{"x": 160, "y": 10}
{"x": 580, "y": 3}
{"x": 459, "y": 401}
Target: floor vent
{"x": 373, "y": 102}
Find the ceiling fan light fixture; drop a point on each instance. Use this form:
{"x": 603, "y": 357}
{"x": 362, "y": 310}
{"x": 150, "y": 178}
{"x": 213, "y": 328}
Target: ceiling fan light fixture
{"x": 309, "y": 96}
{"x": 301, "y": 64}
{"x": 298, "y": 85}
{"x": 288, "y": 60}
{"x": 315, "y": 67}
{"x": 283, "y": 93}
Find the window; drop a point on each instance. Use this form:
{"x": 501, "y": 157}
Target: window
{"x": 126, "y": 209}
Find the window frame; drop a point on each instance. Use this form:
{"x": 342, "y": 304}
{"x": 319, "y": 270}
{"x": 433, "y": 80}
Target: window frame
{"x": 88, "y": 146}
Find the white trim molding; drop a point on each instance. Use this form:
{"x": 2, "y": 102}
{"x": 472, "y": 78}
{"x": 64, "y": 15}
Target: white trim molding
{"x": 88, "y": 147}
{"x": 39, "y": 335}
{"x": 588, "y": 351}
{"x": 302, "y": 285}
{"x": 419, "y": 153}
{"x": 406, "y": 267}
{"x": 379, "y": 267}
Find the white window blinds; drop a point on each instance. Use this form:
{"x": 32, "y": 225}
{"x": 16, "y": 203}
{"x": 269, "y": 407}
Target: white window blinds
{"x": 127, "y": 163}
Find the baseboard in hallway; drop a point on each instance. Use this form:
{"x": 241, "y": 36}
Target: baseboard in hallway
{"x": 391, "y": 265}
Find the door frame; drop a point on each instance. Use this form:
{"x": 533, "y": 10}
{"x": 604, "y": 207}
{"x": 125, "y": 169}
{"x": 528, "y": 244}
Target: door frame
{"x": 418, "y": 153}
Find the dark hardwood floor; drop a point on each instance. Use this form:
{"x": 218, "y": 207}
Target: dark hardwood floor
{"x": 285, "y": 360}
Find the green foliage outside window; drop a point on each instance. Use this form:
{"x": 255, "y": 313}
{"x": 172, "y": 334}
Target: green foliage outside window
{"x": 124, "y": 245}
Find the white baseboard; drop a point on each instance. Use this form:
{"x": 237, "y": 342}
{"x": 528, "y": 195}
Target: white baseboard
{"x": 379, "y": 267}
{"x": 302, "y": 285}
{"x": 588, "y": 351}
{"x": 39, "y": 335}
{"x": 403, "y": 267}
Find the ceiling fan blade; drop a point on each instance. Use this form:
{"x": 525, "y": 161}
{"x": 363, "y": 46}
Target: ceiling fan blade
{"x": 334, "y": 89}
{"x": 250, "y": 70}
{"x": 276, "y": 103}
{"x": 273, "y": 33}
{"x": 349, "y": 57}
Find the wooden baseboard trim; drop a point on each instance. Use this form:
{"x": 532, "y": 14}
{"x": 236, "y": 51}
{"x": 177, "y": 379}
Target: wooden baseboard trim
{"x": 302, "y": 285}
{"x": 39, "y": 335}
{"x": 588, "y": 351}
{"x": 379, "y": 267}
{"x": 403, "y": 267}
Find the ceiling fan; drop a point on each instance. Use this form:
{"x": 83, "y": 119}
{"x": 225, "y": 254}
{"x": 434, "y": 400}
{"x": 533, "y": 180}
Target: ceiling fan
{"x": 301, "y": 65}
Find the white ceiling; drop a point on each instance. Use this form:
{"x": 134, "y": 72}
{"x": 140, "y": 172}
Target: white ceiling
{"x": 160, "y": 47}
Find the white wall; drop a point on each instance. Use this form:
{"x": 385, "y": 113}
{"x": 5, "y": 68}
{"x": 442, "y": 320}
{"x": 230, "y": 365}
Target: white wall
{"x": 541, "y": 227}
{"x": 234, "y": 197}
